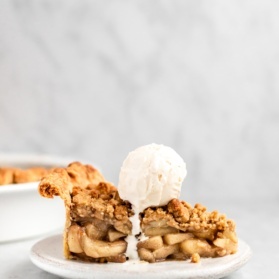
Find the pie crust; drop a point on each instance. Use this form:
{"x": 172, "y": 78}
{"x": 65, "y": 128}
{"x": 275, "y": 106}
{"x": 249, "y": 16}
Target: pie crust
{"x": 97, "y": 222}
{"x": 10, "y": 175}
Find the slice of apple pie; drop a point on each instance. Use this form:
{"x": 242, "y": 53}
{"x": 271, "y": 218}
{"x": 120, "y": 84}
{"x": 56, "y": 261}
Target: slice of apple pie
{"x": 98, "y": 222}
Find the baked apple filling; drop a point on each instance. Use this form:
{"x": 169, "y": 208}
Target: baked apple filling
{"x": 181, "y": 235}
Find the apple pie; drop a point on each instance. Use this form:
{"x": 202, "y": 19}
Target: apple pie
{"x": 9, "y": 175}
{"x": 98, "y": 222}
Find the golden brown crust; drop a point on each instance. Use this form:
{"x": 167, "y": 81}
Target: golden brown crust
{"x": 64, "y": 182}
{"x": 182, "y": 216}
{"x": 6, "y": 176}
{"x": 61, "y": 181}
{"x": 16, "y": 175}
{"x": 29, "y": 175}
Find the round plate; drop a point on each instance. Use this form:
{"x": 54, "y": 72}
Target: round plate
{"x": 47, "y": 254}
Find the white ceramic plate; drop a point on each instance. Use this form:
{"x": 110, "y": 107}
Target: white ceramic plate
{"x": 47, "y": 254}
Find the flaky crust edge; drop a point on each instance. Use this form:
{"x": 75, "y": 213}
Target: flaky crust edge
{"x": 61, "y": 181}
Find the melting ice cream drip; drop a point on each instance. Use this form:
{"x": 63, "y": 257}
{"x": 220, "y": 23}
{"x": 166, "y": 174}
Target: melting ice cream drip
{"x": 151, "y": 175}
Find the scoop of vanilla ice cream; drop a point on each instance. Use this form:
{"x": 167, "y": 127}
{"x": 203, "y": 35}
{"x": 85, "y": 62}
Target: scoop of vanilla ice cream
{"x": 151, "y": 175}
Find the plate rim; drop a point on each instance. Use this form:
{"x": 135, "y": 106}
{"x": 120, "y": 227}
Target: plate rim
{"x": 76, "y": 269}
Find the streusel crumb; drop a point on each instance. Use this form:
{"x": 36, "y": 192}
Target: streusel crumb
{"x": 195, "y": 258}
{"x": 182, "y": 216}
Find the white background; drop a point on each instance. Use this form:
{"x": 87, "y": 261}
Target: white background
{"x": 93, "y": 80}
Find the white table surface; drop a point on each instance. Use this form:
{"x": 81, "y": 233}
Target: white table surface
{"x": 257, "y": 224}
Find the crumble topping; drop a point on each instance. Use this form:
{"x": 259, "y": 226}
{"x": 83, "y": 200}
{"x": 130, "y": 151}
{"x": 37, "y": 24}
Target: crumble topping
{"x": 182, "y": 216}
{"x": 102, "y": 202}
